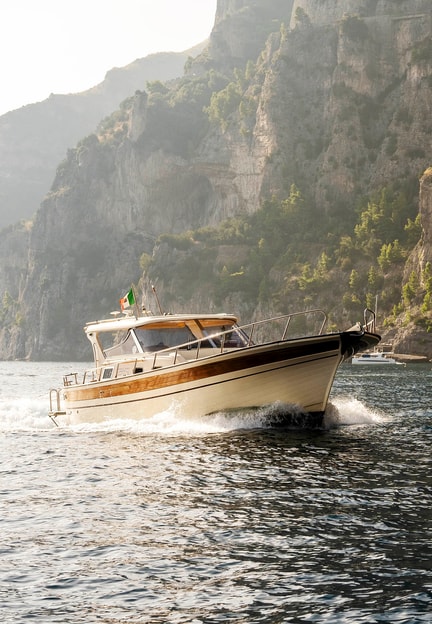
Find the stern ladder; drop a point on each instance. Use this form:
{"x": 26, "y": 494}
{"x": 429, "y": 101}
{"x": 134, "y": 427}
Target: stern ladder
{"x": 55, "y": 405}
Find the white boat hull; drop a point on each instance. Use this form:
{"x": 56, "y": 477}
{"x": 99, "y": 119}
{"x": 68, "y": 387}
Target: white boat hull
{"x": 375, "y": 360}
{"x": 204, "y": 364}
{"x": 300, "y": 376}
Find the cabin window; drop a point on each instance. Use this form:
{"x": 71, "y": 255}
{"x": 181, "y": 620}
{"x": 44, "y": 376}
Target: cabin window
{"x": 232, "y": 339}
{"x": 107, "y": 373}
{"x": 123, "y": 343}
{"x": 163, "y": 338}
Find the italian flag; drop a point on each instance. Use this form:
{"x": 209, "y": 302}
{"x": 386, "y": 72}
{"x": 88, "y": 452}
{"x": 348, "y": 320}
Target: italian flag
{"x": 128, "y": 300}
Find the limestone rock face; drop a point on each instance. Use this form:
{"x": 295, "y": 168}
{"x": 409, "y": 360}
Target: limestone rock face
{"x": 34, "y": 138}
{"x": 329, "y": 11}
{"x": 14, "y": 242}
{"x": 423, "y": 251}
{"x": 412, "y": 337}
{"x": 242, "y": 27}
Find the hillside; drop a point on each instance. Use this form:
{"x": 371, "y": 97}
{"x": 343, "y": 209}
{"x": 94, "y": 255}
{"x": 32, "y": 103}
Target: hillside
{"x": 35, "y": 138}
{"x": 280, "y": 172}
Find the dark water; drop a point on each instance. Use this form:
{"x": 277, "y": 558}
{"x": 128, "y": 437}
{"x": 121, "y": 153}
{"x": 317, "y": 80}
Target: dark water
{"x": 175, "y": 521}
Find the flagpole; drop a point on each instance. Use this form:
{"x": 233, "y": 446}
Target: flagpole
{"x": 135, "y": 306}
{"x": 157, "y": 299}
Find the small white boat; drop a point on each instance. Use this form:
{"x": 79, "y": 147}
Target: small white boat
{"x": 375, "y": 358}
{"x": 206, "y": 363}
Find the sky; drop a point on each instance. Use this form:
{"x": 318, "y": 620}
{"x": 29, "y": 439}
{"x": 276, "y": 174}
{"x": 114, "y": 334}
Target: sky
{"x": 67, "y": 46}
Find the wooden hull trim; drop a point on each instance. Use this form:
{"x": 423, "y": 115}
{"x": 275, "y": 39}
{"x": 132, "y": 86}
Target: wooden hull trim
{"x": 201, "y": 370}
{"x": 286, "y": 382}
{"x": 176, "y": 391}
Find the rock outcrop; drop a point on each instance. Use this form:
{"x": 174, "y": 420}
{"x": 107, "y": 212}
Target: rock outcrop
{"x": 34, "y": 138}
{"x": 241, "y": 29}
{"x": 409, "y": 336}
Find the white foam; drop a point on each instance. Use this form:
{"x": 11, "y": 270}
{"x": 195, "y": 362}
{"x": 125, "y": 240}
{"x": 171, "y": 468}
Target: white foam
{"x": 174, "y": 422}
{"x": 349, "y": 411}
{"x": 24, "y": 414}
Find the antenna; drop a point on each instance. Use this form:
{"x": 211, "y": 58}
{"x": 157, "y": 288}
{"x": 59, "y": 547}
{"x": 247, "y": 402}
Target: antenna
{"x": 157, "y": 298}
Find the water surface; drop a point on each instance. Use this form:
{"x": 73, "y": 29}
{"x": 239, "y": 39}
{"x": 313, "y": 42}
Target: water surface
{"x": 222, "y": 519}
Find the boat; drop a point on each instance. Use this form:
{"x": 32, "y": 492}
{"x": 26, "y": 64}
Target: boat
{"x": 201, "y": 364}
{"x": 375, "y": 358}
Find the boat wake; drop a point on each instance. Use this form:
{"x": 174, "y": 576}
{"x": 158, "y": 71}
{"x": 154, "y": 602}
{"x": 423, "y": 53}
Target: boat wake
{"x": 31, "y": 414}
{"x": 24, "y": 414}
{"x": 175, "y": 421}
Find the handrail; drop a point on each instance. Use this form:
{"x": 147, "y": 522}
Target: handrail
{"x": 95, "y": 374}
{"x": 248, "y": 331}
{"x": 70, "y": 379}
{"x": 369, "y": 325}
{"x": 288, "y": 317}
{"x": 55, "y": 405}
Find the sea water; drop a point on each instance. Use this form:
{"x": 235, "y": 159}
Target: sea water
{"x": 221, "y": 519}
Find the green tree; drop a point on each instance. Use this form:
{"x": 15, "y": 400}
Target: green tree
{"x": 156, "y": 87}
{"x": 410, "y": 289}
{"x": 413, "y": 230}
{"x": 354, "y": 280}
{"x": 223, "y": 104}
{"x": 427, "y": 281}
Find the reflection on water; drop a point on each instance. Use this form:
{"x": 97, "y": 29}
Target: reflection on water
{"x": 177, "y": 521}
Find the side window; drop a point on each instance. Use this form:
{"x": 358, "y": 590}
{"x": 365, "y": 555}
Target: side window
{"x": 232, "y": 338}
{"x": 151, "y": 339}
{"x": 158, "y": 339}
{"x": 123, "y": 345}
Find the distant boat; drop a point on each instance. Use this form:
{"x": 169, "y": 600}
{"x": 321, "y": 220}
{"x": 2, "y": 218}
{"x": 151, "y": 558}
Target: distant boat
{"x": 375, "y": 359}
{"x": 206, "y": 363}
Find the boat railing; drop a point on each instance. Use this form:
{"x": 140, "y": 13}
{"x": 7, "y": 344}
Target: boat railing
{"x": 91, "y": 375}
{"x": 259, "y": 330}
{"x": 70, "y": 379}
{"x": 275, "y": 329}
{"x": 369, "y": 320}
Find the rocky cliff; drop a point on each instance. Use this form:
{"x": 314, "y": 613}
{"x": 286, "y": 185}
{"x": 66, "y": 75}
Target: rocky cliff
{"x": 288, "y": 93}
{"x": 326, "y": 12}
{"x": 241, "y": 28}
{"x": 34, "y": 138}
{"x": 413, "y": 331}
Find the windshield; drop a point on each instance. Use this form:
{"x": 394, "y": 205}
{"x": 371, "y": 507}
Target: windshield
{"x": 151, "y": 339}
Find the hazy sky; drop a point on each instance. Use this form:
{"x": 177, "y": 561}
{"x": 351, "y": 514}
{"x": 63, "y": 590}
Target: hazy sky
{"x": 67, "y": 46}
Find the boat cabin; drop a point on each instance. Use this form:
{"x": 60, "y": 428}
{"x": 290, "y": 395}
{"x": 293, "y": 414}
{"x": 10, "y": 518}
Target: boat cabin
{"x": 121, "y": 338}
